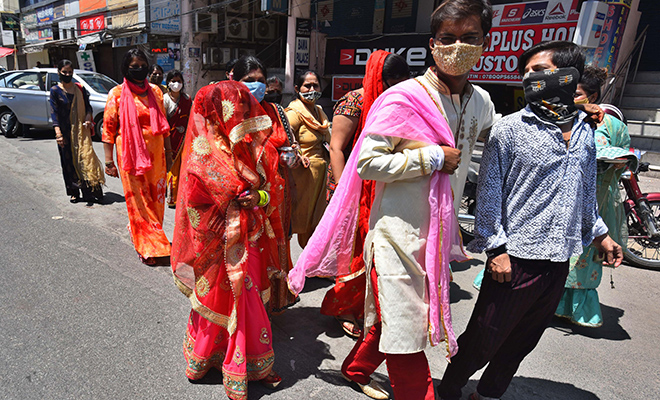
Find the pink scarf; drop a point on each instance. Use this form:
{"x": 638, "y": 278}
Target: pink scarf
{"x": 407, "y": 111}
{"x": 135, "y": 156}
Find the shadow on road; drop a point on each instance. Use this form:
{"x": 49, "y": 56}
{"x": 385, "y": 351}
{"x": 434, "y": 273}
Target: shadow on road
{"x": 457, "y": 294}
{"x": 111, "y": 198}
{"x": 610, "y": 330}
{"x": 312, "y": 284}
{"x": 522, "y": 388}
{"x": 465, "y": 265}
{"x": 38, "y": 134}
{"x": 298, "y": 350}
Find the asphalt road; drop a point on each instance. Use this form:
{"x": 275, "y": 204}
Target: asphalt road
{"x": 82, "y": 318}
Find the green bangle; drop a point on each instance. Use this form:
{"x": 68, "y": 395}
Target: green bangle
{"x": 264, "y": 198}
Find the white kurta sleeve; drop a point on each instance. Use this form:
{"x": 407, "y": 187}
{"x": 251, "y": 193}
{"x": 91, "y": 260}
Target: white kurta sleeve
{"x": 380, "y": 161}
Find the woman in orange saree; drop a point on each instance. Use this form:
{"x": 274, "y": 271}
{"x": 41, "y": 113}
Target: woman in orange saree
{"x": 226, "y": 237}
{"x": 134, "y": 120}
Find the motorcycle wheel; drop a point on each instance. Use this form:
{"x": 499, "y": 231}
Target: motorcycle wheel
{"x": 641, "y": 250}
{"x": 468, "y": 205}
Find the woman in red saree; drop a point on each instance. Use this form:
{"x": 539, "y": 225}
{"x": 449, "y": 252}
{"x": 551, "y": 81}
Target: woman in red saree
{"x": 134, "y": 120}
{"x": 226, "y": 237}
{"x": 345, "y": 300}
{"x": 250, "y": 71}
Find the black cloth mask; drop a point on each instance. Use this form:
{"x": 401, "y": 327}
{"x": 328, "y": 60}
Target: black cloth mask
{"x": 273, "y": 97}
{"x": 550, "y": 92}
{"x": 138, "y": 74}
{"x": 65, "y": 78}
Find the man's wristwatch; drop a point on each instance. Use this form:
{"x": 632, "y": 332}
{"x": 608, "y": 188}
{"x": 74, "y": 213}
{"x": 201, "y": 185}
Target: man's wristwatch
{"x": 492, "y": 253}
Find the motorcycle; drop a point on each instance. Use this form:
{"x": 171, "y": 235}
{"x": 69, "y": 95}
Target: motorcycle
{"x": 642, "y": 212}
{"x": 643, "y": 219}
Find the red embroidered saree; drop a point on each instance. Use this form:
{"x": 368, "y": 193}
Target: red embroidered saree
{"x": 221, "y": 251}
{"x": 347, "y": 296}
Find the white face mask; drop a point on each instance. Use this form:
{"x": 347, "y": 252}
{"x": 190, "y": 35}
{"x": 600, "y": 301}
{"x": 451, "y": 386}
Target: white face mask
{"x": 175, "y": 86}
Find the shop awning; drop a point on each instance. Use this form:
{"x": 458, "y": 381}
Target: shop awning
{"x": 4, "y": 51}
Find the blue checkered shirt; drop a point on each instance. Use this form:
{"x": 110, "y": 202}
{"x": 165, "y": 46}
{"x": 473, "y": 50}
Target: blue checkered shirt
{"x": 535, "y": 195}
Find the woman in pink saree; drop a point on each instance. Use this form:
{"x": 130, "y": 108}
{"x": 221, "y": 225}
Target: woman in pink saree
{"x": 226, "y": 237}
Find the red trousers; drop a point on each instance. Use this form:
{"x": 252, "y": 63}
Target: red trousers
{"x": 409, "y": 374}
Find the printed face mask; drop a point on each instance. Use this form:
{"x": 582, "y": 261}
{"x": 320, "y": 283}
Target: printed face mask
{"x": 458, "y": 58}
{"x": 138, "y": 74}
{"x": 311, "y": 97}
{"x": 583, "y": 101}
{"x": 258, "y": 89}
{"x": 175, "y": 86}
{"x": 549, "y": 93}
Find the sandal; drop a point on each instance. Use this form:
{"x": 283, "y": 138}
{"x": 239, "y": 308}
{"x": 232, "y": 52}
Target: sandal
{"x": 372, "y": 389}
{"x": 74, "y": 199}
{"x": 150, "y": 261}
{"x": 352, "y": 330}
{"x": 271, "y": 380}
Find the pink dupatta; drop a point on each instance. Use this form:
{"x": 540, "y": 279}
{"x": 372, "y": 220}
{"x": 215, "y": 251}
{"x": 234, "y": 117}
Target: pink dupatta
{"x": 135, "y": 156}
{"x": 408, "y": 111}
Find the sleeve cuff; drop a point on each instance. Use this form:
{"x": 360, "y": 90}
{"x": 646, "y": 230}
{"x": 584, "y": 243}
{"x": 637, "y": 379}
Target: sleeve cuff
{"x": 599, "y": 228}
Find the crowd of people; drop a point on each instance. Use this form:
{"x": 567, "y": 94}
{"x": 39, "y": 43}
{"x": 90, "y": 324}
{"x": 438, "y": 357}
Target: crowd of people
{"x": 374, "y": 204}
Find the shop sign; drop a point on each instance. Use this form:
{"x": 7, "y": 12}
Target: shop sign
{"x": 91, "y": 5}
{"x": 8, "y": 38}
{"x": 45, "y": 34}
{"x": 58, "y": 12}
{"x": 10, "y": 22}
{"x": 29, "y": 19}
{"x": 302, "y": 51}
{"x": 303, "y": 27}
{"x": 533, "y": 13}
{"x": 499, "y": 63}
{"x": 350, "y": 56}
{"x": 31, "y": 36}
{"x": 86, "y": 60}
{"x": 607, "y": 52}
{"x": 45, "y": 15}
{"x": 165, "y": 16}
{"x": 278, "y": 6}
{"x": 91, "y": 24}
{"x": 344, "y": 84}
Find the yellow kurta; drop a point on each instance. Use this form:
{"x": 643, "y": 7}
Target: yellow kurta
{"x": 398, "y": 227}
{"x": 309, "y": 197}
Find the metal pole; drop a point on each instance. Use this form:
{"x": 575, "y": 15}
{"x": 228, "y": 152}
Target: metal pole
{"x": 639, "y": 57}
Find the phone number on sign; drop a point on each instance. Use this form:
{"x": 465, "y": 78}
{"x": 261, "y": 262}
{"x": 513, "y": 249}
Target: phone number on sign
{"x": 507, "y": 77}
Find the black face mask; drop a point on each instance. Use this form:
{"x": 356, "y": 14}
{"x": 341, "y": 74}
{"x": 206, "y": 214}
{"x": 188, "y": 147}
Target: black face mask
{"x": 273, "y": 97}
{"x": 138, "y": 74}
{"x": 549, "y": 93}
{"x": 65, "y": 78}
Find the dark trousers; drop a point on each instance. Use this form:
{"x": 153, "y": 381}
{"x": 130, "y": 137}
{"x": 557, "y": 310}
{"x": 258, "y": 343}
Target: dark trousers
{"x": 409, "y": 374}
{"x": 507, "y": 323}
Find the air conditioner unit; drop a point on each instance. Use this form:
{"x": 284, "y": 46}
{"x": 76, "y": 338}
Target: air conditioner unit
{"x": 214, "y": 57}
{"x": 206, "y": 22}
{"x": 239, "y": 7}
{"x": 264, "y": 29}
{"x": 236, "y": 28}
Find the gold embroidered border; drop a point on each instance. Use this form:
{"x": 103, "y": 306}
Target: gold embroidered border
{"x": 250, "y": 125}
{"x": 351, "y": 276}
{"x": 227, "y": 322}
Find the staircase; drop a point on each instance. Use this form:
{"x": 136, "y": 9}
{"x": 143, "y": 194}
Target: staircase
{"x": 641, "y": 106}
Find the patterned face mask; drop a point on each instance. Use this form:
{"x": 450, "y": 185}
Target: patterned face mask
{"x": 458, "y": 58}
{"x": 549, "y": 93}
{"x": 311, "y": 97}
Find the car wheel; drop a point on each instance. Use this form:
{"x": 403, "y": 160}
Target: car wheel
{"x": 98, "y": 128}
{"x": 9, "y": 125}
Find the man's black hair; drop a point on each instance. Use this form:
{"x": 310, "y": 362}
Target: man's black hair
{"x": 564, "y": 54}
{"x": 452, "y": 10}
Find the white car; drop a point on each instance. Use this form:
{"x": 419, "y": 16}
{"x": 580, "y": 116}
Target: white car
{"x": 25, "y": 97}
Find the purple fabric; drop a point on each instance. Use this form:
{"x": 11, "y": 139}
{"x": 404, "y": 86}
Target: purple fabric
{"x": 406, "y": 111}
